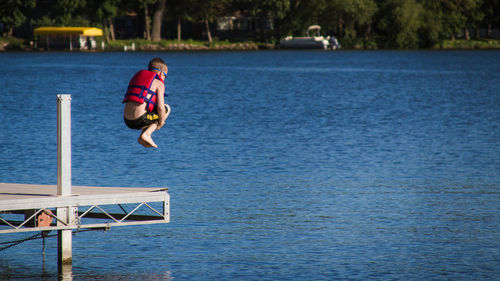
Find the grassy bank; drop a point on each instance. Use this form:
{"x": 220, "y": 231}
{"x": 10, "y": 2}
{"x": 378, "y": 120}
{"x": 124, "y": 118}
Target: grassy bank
{"x": 184, "y": 45}
{"x": 469, "y": 44}
{"x": 7, "y": 44}
{"x": 11, "y": 43}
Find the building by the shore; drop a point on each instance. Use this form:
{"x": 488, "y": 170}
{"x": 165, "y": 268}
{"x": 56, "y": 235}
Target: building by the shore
{"x": 66, "y": 38}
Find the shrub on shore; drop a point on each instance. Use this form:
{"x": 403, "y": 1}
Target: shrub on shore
{"x": 469, "y": 44}
{"x": 11, "y": 43}
{"x": 176, "y": 45}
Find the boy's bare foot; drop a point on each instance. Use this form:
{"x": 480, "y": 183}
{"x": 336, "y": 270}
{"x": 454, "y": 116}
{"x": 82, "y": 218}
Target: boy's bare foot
{"x": 143, "y": 143}
{"x": 148, "y": 140}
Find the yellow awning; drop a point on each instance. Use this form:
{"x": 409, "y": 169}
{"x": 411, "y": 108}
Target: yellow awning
{"x": 62, "y": 31}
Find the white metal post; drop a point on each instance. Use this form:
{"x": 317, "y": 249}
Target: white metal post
{"x": 166, "y": 207}
{"x": 63, "y": 145}
{"x": 64, "y": 177}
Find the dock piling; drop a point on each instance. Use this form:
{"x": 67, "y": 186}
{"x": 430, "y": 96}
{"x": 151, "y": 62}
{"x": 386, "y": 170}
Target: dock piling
{"x": 64, "y": 237}
{"x": 63, "y": 145}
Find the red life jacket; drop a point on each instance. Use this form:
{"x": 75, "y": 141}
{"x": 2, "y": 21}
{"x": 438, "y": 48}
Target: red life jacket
{"x": 139, "y": 88}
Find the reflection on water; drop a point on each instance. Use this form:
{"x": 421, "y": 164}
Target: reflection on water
{"x": 65, "y": 272}
{"x": 280, "y": 165}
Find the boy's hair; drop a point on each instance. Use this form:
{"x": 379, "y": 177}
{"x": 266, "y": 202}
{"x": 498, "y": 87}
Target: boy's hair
{"x": 159, "y": 64}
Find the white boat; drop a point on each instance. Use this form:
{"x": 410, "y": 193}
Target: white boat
{"x": 307, "y": 42}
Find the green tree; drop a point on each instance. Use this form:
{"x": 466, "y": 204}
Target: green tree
{"x": 69, "y": 12}
{"x": 491, "y": 9}
{"x": 179, "y": 10}
{"x": 400, "y": 21}
{"x": 276, "y": 10}
{"x": 102, "y": 12}
{"x": 473, "y": 15}
{"x": 158, "y": 19}
{"x": 13, "y": 13}
{"x": 432, "y": 24}
{"x": 302, "y": 14}
{"x": 459, "y": 15}
{"x": 142, "y": 7}
{"x": 350, "y": 18}
{"x": 207, "y": 11}
{"x": 62, "y": 13}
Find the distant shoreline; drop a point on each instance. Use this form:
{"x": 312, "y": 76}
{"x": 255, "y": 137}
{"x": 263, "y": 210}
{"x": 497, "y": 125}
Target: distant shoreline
{"x": 18, "y": 44}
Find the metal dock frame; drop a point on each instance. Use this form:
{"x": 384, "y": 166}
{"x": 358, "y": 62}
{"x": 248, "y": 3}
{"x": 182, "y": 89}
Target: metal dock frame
{"x": 87, "y": 204}
{"x": 32, "y": 201}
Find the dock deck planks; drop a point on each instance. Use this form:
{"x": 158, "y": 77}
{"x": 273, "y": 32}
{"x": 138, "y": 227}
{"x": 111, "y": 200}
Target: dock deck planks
{"x": 15, "y": 197}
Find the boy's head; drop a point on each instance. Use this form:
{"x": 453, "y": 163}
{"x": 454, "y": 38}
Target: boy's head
{"x": 156, "y": 64}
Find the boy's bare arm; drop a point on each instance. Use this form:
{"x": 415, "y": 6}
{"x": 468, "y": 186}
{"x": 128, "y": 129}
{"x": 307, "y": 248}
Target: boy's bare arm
{"x": 160, "y": 102}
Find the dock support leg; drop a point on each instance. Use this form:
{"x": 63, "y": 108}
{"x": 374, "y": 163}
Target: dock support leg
{"x": 64, "y": 238}
{"x": 64, "y": 180}
{"x": 166, "y": 210}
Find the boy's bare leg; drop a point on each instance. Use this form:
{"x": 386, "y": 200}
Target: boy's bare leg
{"x": 145, "y": 137}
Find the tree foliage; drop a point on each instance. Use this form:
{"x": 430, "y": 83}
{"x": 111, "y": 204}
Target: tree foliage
{"x": 384, "y": 23}
{"x": 13, "y": 13}
{"x": 400, "y": 21}
{"x": 491, "y": 10}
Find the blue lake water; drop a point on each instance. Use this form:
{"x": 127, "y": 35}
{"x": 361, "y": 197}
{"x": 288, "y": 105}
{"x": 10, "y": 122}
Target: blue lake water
{"x": 373, "y": 165}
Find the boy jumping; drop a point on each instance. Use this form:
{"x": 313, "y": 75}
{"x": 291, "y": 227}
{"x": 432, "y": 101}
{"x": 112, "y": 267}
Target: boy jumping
{"x": 145, "y": 107}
